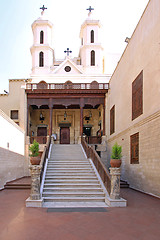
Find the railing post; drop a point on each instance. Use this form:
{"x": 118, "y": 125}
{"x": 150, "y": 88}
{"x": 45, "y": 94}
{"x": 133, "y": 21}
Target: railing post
{"x": 115, "y": 183}
{"x": 35, "y": 182}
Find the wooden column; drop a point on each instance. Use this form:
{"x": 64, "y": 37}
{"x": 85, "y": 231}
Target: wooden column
{"x": 104, "y": 118}
{"x": 50, "y": 116}
{"x": 81, "y": 116}
{"x": 27, "y": 119}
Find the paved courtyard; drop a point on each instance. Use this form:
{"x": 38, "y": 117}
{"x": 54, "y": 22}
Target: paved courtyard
{"x": 139, "y": 221}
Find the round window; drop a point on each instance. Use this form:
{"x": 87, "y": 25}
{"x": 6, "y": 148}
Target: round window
{"x": 67, "y": 68}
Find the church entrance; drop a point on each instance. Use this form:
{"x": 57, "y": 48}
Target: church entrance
{"x": 64, "y": 135}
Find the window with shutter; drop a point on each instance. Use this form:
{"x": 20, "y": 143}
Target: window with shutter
{"x": 112, "y": 120}
{"x": 137, "y": 96}
{"x": 14, "y": 114}
{"x": 134, "y": 151}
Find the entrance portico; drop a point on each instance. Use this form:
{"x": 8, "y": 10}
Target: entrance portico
{"x": 68, "y": 108}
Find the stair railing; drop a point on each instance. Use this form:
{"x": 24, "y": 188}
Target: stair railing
{"x": 44, "y": 157}
{"x": 103, "y": 172}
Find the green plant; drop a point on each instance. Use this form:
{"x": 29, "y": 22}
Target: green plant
{"x": 116, "y": 151}
{"x": 34, "y": 148}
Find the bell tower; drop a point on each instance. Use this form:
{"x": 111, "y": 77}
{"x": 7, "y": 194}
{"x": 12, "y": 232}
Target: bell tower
{"x": 91, "y": 51}
{"x": 41, "y": 50}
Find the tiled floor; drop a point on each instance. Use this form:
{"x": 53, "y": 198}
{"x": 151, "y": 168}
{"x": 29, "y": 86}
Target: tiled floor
{"x": 139, "y": 221}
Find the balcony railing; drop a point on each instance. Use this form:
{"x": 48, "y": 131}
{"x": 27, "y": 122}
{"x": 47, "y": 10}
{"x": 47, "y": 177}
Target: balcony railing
{"x": 55, "y": 86}
{"x": 93, "y": 139}
{"x": 39, "y": 139}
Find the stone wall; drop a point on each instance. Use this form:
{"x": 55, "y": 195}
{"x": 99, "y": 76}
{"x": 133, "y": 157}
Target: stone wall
{"x": 142, "y": 53}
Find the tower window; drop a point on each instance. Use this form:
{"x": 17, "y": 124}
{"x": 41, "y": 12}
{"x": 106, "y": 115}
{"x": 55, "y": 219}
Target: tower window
{"x": 41, "y": 59}
{"x": 41, "y": 37}
{"x": 92, "y": 36}
{"x": 92, "y": 58}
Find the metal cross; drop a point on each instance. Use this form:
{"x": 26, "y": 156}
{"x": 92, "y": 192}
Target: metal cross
{"x": 90, "y": 9}
{"x": 67, "y": 51}
{"x": 43, "y": 8}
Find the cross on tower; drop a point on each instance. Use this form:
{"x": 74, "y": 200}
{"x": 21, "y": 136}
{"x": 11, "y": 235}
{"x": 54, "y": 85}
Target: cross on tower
{"x": 43, "y": 8}
{"x": 90, "y": 9}
{"x": 67, "y": 51}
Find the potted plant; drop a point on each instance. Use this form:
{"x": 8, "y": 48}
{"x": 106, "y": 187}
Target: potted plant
{"x": 34, "y": 156}
{"x": 116, "y": 156}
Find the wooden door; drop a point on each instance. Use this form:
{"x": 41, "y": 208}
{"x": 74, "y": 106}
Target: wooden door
{"x": 65, "y": 135}
{"x": 42, "y": 135}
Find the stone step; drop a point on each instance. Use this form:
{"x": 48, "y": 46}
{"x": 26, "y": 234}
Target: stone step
{"x": 70, "y": 181}
{"x": 74, "y": 199}
{"x": 73, "y": 194}
{"x": 71, "y": 189}
{"x": 71, "y": 177}
{"x": 70, "y": 174}
{"x": 69, "y": 164}
{"x": 72, "y": 185}
{"x": 70, "y": 169}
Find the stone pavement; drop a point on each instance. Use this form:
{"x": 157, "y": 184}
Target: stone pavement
{"x": 139, "y": 221}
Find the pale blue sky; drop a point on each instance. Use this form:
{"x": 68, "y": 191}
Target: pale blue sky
{"x": 118, "y": 18}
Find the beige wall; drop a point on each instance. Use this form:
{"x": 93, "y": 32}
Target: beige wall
{"x": 15, "y": 100}
{"x": 142, "y": 53}
{"x": 13, "y": 163}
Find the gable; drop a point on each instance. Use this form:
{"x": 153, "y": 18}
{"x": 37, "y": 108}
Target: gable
{"x": 67, "y": 67}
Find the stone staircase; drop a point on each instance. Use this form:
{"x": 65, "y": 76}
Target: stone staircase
{"x": 71, "y": 179}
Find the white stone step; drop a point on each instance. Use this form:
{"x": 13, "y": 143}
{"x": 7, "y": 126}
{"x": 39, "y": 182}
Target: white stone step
{"x": 71, "y": 181}
{"x": 74, "y": 199}
{"x": 71, "y": 177}
{"x": 69, "y": 174}
{"x": 71, "y": 189}
{"x": 72, "y": 185}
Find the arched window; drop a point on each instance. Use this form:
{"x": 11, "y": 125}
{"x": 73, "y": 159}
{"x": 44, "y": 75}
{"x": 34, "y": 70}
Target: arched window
{"x": 92, "y": 58}
{"x": 41, "y": 59}
{"x": 41, "y": 37}
{"x": 92, "y": 36}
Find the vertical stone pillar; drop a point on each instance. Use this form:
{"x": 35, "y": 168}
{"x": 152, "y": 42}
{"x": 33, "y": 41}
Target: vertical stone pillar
{"x": 35, "y": 182}
{"x": 115, "y": 183}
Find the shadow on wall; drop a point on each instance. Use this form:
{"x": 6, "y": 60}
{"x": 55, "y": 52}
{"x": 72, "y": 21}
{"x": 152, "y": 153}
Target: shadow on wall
{"x": 12, "y": 166}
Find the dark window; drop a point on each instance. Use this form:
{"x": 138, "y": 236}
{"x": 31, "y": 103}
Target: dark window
{"x": 41, "y": 37}
{"x": 14, "y": 114}
{"x": 134, "y": 148}
{"x": 137, "y": 96}
{"x": 92, "y": 58}
{"x": 112, "y": 120}
{"x": 41, "y": 59}
{"x": 92, "y": 36}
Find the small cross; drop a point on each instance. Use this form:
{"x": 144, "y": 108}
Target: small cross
{"x": 43, "y": 8}
{"x": 90, "y": 9}
{"x": 67, "y": 51}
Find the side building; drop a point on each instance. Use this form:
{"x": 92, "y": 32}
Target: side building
{"x": 133, "y": 104}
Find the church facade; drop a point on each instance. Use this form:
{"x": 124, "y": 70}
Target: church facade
{"x": 73, "y": 97}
